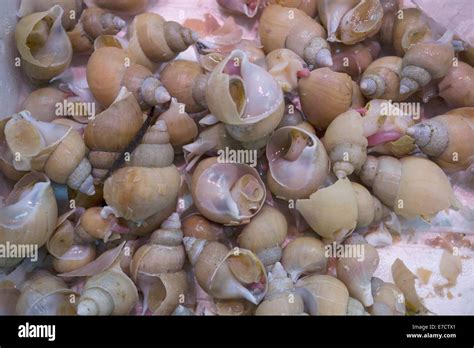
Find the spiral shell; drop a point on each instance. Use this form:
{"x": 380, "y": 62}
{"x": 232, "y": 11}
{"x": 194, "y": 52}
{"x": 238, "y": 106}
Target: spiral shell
{"x": 346, "y": 143}
{"x": 45, "y": 294}
{"x": 265, "y": 234}
{"x": 154, "y": 40}
{"x": 283, "y": 27}
{"x": 404, "y": 28}
{"x": 93, "y": 23}
{"x": 164, "y": 252}
{"x": 41, "y": 103}
{"x": 325, "y": 94}
{"x": 111, "y": 131}
{"x": 227, "y": 193}
{"x": 72, "y": 9}
{"x": 329, "y": 293}
{"x": 43, "y": 44}
{"x": 456, "y": 88}
{"x": 281, "y": 299}
{"x": 381, "y": 79}
{"x": 304, "y": 255}
{"x": 424, "y": 62}
{"x": 245, "y": 97}
{"x": 182, "y": 129}
{"x": 331, "y": 211}
{"x": 109, "y": 70}
{"x": 447, "y": 138}
{"x": 110, "y": 292}
{"x": 411, "y": 186}
{"x": 167, "y": 292}
{"x": 350, "y": 21}
{"x": 29, "y": 214}
{"x": 58, "y": 151}
{"x": 68, "y": 255}
{"x": 198, "y": 226}
{"x": 295, "y": 150}
{"x": 227, "y": 274}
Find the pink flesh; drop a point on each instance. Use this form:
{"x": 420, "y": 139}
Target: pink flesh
{"x": 303, "y": 73}
{"x": 383, "y": 137}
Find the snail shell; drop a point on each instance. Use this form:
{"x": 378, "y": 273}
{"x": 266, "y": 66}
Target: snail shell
{"x": 265, "y": 234}
{"x": 227, "y": 193}
{"x": 166, "y": 292}
{"x": 43, "y": 44}
{"x": 150, "y": 183}
{"x": 68, "y": 255}
{"x": 411, "y": 186}
{"x": 137, "y": 193}
{"x": 164, "y": 252}
{"x": 329, "y": 293}
{"x": 283, "y": 27}
{"x": 304, "y": 255}
{"x": 331, "y": 211}
{"x": 357, "y": 272}
{"x": 245, "y": 97}
{"x": 310, "y": 7}
{"x": 404, "y": 28}
{"x": 154, "y": 40}
{"x": 92, "y": 226}
{"x": 70, "y": 8}
{"x": 334, "y": 212}
{"x": 111, "y": 131}
{"x": 186, "y": 81}
{"x": 227, "y": 274}
{"x": 284, "y": 66}
{"x": 346, "y": 143}
{"x": 109, "y": 70}
{"x": 42, "y": 103}
{"x": 424, "y": 62}
{"x": 198, "y": 226}
{"x": 354, "y": 59}
{"x": 447, "y": 138}
{"x": 182, "y": 129}
{"x": 29, "y": 214}
{"x": 281, "y": 299}
{"x": 58, "y": 151}
{"x": 388, "y": 298}
{"x": 295, "y": 150}
{"x": 110, "y": 292}
{"x": 457, "y": 88}
{"x": 155, "y": 151}
{"x": 93, "y": 23}
{"x": 381, "y": 79}
{"x": 351, "y": 21}
{"x": 325, "y": 94}
{"x": 128, "y": 7}
{"x": 45, "y": 294}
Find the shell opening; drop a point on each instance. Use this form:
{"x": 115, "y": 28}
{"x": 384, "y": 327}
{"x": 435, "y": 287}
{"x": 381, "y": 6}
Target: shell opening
{"x": 248, "y": 194}
{"x": 248, "y": 272}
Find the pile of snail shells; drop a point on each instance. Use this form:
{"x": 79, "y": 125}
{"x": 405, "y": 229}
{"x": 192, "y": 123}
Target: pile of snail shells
{"x": 222, "y": 185}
